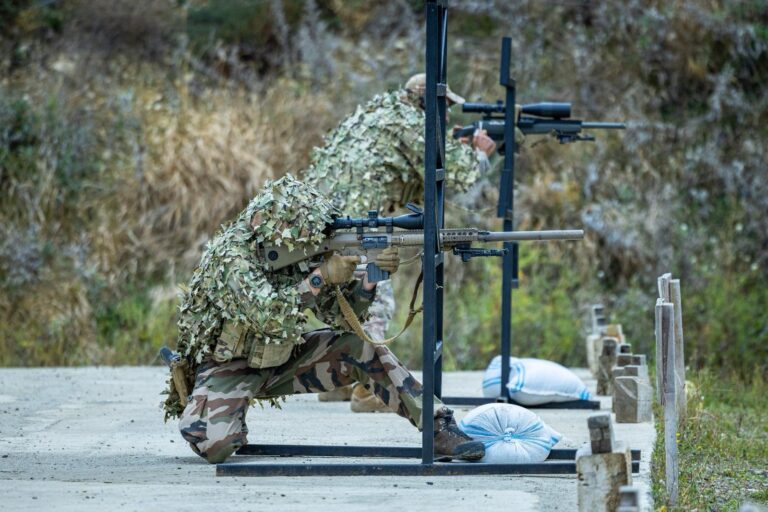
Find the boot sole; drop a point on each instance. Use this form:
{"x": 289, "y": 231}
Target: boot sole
{"x": 469, "y": 453}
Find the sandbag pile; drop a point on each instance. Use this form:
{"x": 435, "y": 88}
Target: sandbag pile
{"x": 511, "y": 434}
{"x": 534, "y": 382}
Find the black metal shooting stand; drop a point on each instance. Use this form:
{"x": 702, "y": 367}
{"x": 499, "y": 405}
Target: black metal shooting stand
{"x": 559, "y": 461}
{"x": 510, "y": 281}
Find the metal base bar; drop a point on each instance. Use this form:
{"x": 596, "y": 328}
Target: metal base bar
{"x": 398, "y": 452}
{"x": 410, "y": 469}
{"x": 478, "y": 400}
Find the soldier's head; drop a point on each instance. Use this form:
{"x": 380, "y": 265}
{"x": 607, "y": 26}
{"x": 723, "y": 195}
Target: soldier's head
{"x": 417, "y": 84}
{"x": 290, "y": 212}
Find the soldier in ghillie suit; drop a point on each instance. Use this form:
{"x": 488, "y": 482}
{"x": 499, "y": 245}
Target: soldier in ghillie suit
{"x": 242, "y": 329}
{"x": 374, "y": 160}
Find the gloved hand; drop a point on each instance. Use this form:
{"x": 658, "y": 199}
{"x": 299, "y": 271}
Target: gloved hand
{"x": 388, "y": 260}
{"x": 338, "y": 269}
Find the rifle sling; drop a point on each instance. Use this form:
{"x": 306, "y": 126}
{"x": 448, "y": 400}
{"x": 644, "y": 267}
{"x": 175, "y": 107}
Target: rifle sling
{"x": 354, "y": 323}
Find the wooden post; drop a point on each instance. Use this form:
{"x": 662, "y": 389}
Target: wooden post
{"x": 676, "y": 299}
{"x": 663, "y": 285}
{"x": 665, "y": 330}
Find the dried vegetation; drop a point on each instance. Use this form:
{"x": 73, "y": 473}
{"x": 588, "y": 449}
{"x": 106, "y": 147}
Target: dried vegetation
{"x": 126, "y": 141}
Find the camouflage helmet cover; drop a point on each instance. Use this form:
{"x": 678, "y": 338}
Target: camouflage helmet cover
{"x": 417, "y": 84}
{"x": 288, "y": 211}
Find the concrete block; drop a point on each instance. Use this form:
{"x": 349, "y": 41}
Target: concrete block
{"x": 625, "y": 348}
{"x": 594, "y": 346}
{"x": 598, "y": 318}
{"x": 607, "y": 361}
{"x": 629, "y": 499}
{"x": 623, "y": 359}
{"x": 614, "y": 331}
{"x": 632, "y": 400}
{"x": 600, "y": 476}
{"x": 600, "y": 433}
{"x": 638, "y": 360}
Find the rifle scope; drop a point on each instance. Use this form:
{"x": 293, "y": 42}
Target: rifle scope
{"x": 409, "y": 221}
{"x": 554, "y": 110}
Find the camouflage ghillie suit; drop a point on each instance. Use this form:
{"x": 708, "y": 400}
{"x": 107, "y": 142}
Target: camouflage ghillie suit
{"x": 374, "y": 160}
{"x": 236, "y": 312}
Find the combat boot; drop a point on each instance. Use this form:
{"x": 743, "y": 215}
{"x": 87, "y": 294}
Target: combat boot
{"x": 451, "y": 442}
{"x": 340, "y": 394}
{"x": 363, "y": 400}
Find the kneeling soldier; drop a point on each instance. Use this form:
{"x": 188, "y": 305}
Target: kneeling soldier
{"x": 241, "y": 329}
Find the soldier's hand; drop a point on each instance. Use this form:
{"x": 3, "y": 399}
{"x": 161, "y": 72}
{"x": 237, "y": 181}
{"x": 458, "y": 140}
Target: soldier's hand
{"x": 463, "y": 140}
{"x": 338, "y": 269}
{"x": 481, "y": 141}
{"x": 388, "y": 260}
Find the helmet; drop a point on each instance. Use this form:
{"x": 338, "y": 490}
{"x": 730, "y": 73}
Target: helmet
{"x": 418, "y": 83}
{"x": 290, "y": 212}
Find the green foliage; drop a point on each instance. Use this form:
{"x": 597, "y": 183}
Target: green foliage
{"x": 19, "y": 17}
{"x": 546, "y": 318}
{"x": 132, "y": 329}
{"x": 723, "y": 445}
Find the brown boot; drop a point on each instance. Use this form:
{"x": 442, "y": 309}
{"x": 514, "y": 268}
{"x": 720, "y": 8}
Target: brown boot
{"x": 452, "y": 443}
{"x": 363, "y": 400}
{"x": 340, "y": 394}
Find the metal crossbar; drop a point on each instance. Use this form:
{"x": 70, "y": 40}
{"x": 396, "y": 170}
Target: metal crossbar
{"x": 479, "y": 400}
{"x": 396, "y": 469}
{"x": 397, "y": 452}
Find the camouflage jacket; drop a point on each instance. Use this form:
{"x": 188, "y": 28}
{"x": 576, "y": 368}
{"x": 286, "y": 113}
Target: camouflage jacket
{"x": 233, "y": 290}
{"x": 232, "y": 284}
{"x": 374, "y": 160}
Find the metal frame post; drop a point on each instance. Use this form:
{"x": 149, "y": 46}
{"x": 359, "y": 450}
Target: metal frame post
{"x": 505, "y": 211}
{"x": 434, "y": 195}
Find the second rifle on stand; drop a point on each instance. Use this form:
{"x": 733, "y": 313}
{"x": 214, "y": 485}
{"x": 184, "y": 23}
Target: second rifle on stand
{"x": 500, "y": 120}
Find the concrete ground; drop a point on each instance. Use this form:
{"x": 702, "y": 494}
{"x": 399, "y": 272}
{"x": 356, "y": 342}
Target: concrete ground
{"x": 75, "y": 439}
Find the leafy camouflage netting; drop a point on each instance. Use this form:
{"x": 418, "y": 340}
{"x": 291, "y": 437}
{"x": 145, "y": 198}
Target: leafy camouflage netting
{"x": 232, "y": 286}
{"x": 375, "y": 159}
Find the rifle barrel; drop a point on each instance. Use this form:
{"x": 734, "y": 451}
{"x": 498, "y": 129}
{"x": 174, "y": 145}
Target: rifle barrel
{"x": 509, "y": 236}
{"x": 603, "y": 126}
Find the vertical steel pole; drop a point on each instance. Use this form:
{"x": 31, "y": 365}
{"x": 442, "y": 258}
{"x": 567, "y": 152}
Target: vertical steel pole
{"x": 506, "y": 211}
{"x": 440, "y": 195}
{"x": 429, "y": 328}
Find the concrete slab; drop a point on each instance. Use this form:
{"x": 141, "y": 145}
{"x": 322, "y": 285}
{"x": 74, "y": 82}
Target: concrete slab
{"x": 93, "y": 438}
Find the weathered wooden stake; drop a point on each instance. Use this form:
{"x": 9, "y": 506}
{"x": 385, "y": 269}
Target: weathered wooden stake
{"x": 663, "y": 285}
{"x": 676, "y": 296}
{"x": 665, "y": 332}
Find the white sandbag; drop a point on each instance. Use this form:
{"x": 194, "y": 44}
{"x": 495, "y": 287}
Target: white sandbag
{"x": 511, "y": 434}
{"x": 534, "y": 382}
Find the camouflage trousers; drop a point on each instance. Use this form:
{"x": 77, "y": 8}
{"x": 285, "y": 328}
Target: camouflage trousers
{"x": 214, "y": 420}
{"x": 381, "y": 311}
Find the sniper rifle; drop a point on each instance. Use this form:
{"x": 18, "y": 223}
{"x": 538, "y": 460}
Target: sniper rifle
{"x": 366, "y": 236}
{"x": 541, "y": 119}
